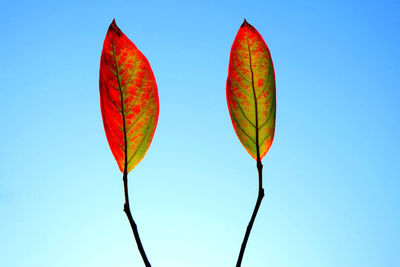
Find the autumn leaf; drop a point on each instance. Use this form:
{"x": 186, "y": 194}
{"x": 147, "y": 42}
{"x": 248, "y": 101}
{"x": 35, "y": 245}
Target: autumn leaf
{"x": 250, "y": 91}
{"x": 128, "y": 99}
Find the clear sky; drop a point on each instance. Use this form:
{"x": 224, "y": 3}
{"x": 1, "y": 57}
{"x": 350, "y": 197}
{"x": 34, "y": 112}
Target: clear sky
{"x": 331, "y": 176}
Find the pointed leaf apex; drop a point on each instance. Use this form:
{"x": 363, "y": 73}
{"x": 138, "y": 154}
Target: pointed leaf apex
{"x": 244, "y": 23}
{"x": 114, "y": 28}
{"x": 247, "y": 25}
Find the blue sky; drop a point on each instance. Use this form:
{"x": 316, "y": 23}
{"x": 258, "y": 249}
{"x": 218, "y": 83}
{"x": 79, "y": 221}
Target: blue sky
{"x": 331, "y": 176}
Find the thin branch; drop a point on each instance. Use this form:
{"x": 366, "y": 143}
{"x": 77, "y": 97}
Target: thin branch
{"x": 253, "y": 217}
{"x": 127, "y": 210}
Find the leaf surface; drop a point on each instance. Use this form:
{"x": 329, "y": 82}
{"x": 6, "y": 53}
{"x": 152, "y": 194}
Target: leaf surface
{"x": 250, "y": 91}
{"x": 128, "y": 99}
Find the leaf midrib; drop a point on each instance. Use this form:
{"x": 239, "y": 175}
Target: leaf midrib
{"x": 255, "y": 99}
{"x": 122, "y": 110}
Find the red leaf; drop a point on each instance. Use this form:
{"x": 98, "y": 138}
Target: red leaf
{"x": 128, "y": 99}
{"x": 250, "y": 91}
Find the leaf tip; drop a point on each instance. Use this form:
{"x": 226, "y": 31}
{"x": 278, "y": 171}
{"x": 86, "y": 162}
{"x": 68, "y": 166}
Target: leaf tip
{"x": 114, "y": 28}
{"x": 244, "y": 23}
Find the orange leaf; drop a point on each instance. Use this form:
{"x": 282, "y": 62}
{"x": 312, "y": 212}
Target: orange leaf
{"x": 128, "y": 99}
{"x": 250, "y": 91}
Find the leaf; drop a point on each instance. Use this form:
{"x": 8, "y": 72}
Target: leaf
{"x": 128, "y": 99}
{"x": 250, "y": 91}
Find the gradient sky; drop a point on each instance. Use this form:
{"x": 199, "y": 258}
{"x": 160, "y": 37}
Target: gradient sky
{"x": 331, "y": 177}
